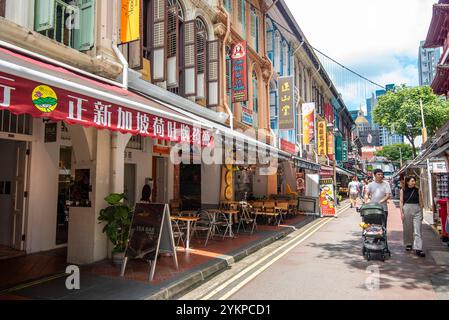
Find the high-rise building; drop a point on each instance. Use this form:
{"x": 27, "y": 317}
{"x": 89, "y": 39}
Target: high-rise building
{"x": 427, "y": 63}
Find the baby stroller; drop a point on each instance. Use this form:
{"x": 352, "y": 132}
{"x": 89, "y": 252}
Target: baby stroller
{"x": 374, "y": 232}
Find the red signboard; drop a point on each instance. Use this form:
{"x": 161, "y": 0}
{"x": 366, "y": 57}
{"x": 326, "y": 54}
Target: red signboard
{"x": 288, "y": 147}
{"x": 239, "y": 72}
{"x": 20, "y": 95}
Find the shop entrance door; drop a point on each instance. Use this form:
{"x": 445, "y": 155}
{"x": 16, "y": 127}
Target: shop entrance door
{"x": 190, "y": 186}
{"x": 161, "y": 191}
{"x": 130, "y": 183}
{"x": 13, "y": 165}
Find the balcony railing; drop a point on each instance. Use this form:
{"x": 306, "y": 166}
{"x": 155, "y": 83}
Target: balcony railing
{"x": 61, "y": 27}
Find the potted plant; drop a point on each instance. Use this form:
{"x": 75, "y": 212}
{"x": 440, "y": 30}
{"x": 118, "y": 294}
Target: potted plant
{"x": 117, "y": 217}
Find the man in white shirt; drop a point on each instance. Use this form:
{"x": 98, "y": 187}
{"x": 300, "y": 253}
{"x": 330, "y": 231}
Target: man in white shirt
{"x": 354, "y": 189}
{"x": 379, "y": 191}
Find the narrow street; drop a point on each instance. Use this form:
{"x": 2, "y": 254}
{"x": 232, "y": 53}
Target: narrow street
{"x": 325, "y": 262}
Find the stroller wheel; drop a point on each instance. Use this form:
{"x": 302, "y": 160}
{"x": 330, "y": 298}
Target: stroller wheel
{"x": 368, "y": 257}
{"x": 382, "y": 258}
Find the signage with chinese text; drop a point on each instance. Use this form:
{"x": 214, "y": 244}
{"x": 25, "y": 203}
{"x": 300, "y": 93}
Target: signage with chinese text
{"x": 20, "y": 95}
{"x": 286, "y": 104}
{"x": 308, "y": 126}
{"x": 288, "y": 146}
{"x": 247, "y": 116}
{"x": 322, "y": 137}
{"x": 330, "y": 145}
{"x": 239, "y": 73}
{"x": 345, "y": 151}
{"x": 327, "y": 197}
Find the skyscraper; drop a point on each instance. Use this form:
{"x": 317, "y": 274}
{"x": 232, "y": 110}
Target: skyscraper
{"x": 427, "y": 62}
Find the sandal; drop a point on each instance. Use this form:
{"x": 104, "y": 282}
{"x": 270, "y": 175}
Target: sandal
{"x": 420, "y": 254}
{"x": 408, "y": 248}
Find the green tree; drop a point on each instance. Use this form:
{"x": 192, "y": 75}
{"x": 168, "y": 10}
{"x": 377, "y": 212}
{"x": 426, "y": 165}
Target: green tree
{"x": 400, "y": 112}
{"x": 393, "y": 152}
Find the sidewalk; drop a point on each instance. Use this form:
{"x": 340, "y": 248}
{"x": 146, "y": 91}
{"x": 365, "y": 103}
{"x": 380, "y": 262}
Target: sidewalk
{"x": 102, "y": 281}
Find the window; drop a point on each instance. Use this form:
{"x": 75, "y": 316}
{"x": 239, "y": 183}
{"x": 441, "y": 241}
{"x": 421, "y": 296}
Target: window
{"x": 71, "y": 23}
{"x": 174, "y": 24}
{"x": 254, "y": 20}
{"x": 277, "y": 52}
{"x": 270, "y": 40}
{"x": 241, "y": 16}
{"x": 273, "y": 107}
{"x": 255, "y": 99}
{"x": 228, "y": 6}
{"x": 201, "y": 41}
{"x": 285, "y": 58}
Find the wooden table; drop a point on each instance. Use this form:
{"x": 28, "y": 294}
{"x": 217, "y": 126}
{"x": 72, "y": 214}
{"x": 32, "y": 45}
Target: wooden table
{"x": 189, "y": 220}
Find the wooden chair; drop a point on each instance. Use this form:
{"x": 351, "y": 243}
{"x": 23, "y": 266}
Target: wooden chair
{"x": 293, "y": 207}
{"x": 269, "y": 211}
{"x": 175, "y": 207}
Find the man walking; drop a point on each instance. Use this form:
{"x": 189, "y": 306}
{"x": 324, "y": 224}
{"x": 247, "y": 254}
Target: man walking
{"x": 379, "y": 191}
{"x": 354, "y": 189}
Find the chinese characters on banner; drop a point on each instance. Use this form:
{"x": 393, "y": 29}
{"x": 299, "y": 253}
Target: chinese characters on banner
{"x": 19, "y": 95}
{"x": 308, "y": 123}
{"x": 330, "y": 145}
{"x": 289, "y": 147}
{"x": 286, "y": 104}
{"x": 247, "y": 116}
{"x": 239, "y": 73}
{"x": 322, "y": 137}
{"x": 129, "y": 20}
{"x": 327, "y": 198}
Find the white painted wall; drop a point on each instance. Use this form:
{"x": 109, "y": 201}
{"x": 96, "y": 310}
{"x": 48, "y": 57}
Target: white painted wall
{"x": 43, "y": 192}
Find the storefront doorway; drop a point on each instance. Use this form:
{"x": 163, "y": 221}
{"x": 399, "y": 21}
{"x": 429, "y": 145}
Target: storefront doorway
{"x": 160, "y": 174}
{"x": 190, "y": 186}
{"x": 13, "y": 180}
{"x": 130, "y": 183}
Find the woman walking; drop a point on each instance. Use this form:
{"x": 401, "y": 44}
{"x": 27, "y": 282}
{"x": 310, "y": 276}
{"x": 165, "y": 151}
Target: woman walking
{"x": 411, "y": 205}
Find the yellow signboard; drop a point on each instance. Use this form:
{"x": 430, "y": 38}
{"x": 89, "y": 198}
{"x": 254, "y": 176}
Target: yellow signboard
{"x": 322, "y": 137}
{"x": 130, "y": 20}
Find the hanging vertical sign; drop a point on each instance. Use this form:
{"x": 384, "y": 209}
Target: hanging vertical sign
{"x": 239, "y": 73}
{"x": 286, "y": 104}
{"x": 330, "y": 145}
{"x": 322, "y": 137}
{"x": 308, "y": 123}
{"x": 129, "y": 20}
{"x": 345, "y": 152}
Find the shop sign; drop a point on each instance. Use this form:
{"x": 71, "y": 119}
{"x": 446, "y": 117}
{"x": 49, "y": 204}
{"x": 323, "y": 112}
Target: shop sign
{"x": 322, "y": 137}
{"x": 161, "y": 150}
{"x": 286, "y": 103}
{"x": 247, "y": 116}
{"x": 327, "y": 197}
{"x": 288, "y": 146}
{"x": 308, "y": 125}
{"x": 300, "y": 163}
{"x": 330, "y": 145}
{"x": 51, "y": 130}
{"x": 339, "y": 148}
{"x": 239, "y": 72}
{"x": 20, "y": 95}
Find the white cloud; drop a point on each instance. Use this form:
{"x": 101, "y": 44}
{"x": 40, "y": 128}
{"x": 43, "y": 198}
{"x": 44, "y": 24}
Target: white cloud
{"x": 379, "y": 39}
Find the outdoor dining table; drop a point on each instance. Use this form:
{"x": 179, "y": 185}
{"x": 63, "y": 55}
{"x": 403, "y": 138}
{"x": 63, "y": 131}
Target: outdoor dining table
{"x": 230, "y": 213}
{"x": 189, "y": 220}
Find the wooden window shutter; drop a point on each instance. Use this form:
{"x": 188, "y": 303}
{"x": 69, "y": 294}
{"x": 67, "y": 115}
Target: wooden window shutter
{"x": 44, "y": 15}
{"x": 172, "y": 46}
{"x": 135, "y": 48}
{"x": 85, "y": 36}
{"x": 213, "y": 73}
{"x": 2, "y": 8}
{"x": 159, "y": 38}
{"x": 189, "y": 59}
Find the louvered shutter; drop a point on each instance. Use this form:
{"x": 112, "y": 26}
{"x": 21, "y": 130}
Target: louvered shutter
{"x": 44, "y": 15}
{"x": 189, "y": 59}
{"x": 159, "y": 56}
{"x": 135, "y": 48}
{"x": 172, "y": 46}
{"x": 84, "y": 36}
{"x": 213, "y": 72}
{"x": 2, "y": 8}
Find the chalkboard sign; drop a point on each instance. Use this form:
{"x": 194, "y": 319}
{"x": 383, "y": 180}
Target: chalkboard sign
{"x": 150, "y": 234}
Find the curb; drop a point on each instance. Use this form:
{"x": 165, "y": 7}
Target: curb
{"x": 200, "y": 277}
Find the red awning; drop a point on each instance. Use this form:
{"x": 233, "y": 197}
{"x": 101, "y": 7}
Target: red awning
{"x": 47, "y": 91}
{"x": 437, "y": 33}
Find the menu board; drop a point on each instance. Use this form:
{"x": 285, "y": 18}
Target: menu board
{"x": 150, "y": 233}
{"x": 327, "y": 197}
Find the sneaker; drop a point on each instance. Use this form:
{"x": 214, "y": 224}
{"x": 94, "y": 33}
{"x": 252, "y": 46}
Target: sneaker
{"x": 408, "y": 248}
{"x": 420, "y": 254}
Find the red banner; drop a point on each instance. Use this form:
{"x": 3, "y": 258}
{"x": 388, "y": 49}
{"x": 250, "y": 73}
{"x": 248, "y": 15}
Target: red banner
{"x": 288, "y": 147}
{"x": 239, "y": 72}
{"x": 19, "y": 95}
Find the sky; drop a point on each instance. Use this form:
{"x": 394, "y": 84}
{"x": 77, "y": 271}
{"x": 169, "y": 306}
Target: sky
{"x": 378, "y": 39}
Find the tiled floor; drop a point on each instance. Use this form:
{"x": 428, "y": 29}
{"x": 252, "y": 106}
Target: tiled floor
{"x": 8, "y": 253}
{"x": 38, "y": 266}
